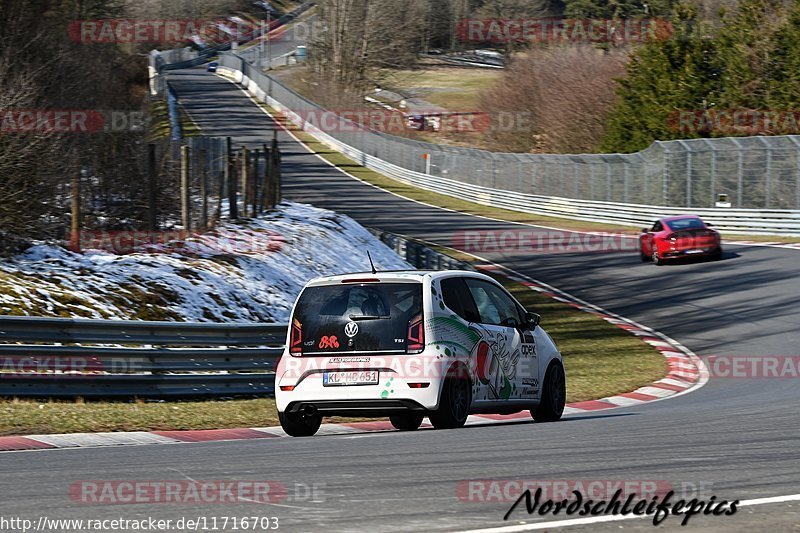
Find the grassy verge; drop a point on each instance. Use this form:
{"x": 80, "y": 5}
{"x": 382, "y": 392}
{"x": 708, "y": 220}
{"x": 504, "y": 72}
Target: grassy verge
{"x": 456, "y": 89}
{"x": 600, "y": 359}
{"x": 188, "y": 126}
{"x": 160, "y": 123}
{"x": 159, "y": 120}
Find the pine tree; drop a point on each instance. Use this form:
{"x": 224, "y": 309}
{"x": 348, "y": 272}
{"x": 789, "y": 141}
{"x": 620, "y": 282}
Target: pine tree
{"x": 664, "y": 77}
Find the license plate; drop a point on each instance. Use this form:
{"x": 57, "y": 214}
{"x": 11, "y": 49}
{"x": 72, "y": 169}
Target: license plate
{"x": 346, "y": 378}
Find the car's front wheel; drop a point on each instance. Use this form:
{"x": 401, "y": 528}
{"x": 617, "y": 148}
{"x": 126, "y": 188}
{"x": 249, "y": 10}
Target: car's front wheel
{"x": 554, "y": 395}
{"x": 455, "y": 402}
{"x": 406, "y": 422}
{"x": 300, "y": 425}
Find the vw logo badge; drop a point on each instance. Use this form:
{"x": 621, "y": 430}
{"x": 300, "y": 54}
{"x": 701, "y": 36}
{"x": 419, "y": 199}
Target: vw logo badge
{"x": 351, "y": 329}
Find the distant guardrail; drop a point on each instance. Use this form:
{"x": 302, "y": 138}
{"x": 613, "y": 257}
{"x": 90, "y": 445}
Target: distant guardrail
{"x": 180, "y": 58}
{"x": 467, "y": 61}
{"x": 68, "y": 358}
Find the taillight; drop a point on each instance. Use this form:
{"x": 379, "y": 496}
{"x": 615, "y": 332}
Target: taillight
{"x": 287, "y": 388}
{"x": 415, "y": 341}
{"x": 296, "y": 341}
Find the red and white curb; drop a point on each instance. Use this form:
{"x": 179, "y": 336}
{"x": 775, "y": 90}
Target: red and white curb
{"x": 686, "y": 373}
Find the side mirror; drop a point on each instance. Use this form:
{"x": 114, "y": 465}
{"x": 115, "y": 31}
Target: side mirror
{"x": 645, "y": 230}
{"x": 532, "y": 320}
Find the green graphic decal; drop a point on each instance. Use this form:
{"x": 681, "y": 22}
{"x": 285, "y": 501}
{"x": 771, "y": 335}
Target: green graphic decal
{"x": 388, "y": 389}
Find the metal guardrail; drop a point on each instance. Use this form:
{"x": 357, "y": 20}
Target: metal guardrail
{"x": 467, "y": 61}
{"x": 125, "y": 359}
{"x": 509, "y": 193}
{"x": 168, "y": 360}
{"x": 418, "y": 254}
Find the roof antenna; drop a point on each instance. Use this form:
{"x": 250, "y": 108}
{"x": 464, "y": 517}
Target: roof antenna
{"x": 371, "y": 263}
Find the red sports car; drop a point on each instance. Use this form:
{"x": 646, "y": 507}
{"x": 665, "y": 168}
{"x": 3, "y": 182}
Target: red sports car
{"x": 675, "y": 237}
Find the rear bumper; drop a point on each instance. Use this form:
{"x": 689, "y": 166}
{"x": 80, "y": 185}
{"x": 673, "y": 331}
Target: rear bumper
{"x": 355, "y": 408}
{"x": 405, "y": 380}
{"x": 703, "y": 252}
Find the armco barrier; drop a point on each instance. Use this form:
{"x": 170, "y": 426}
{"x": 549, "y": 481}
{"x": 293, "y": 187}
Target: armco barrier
{"x": 67, "y": 358}
{"x": 168, "y": 360}
{"x": 741, "y": 221}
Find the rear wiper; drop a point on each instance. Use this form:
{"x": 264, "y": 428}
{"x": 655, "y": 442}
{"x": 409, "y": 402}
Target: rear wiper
{"x": 369, "y": 317}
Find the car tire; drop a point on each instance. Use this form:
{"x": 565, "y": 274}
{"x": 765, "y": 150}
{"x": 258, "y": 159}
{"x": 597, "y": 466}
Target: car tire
{"x": 716, "y": 255}
{"x": 554, "y": 395}
{"x": 455, "y": 402}
{"x": 299, "y": 425}
{"x": 407, "y": 422}
{"x": 645, "y": 258}
{"x": 657, "y": 258}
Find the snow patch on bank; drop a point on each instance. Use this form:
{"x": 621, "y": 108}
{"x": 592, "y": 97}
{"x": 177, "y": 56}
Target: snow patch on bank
{"x": 250, "y": 271}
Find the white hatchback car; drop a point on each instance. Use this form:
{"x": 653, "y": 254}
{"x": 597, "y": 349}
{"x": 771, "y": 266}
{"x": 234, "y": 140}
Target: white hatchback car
{"x": 413, "y": 344}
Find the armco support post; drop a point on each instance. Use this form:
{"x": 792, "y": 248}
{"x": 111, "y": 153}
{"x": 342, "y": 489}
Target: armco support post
{"x": 265, "y": 191}
{"x": 245, "y": 170}
{"x": 152, "y": 188}
{"x": 75, "y": 223}
{"x": 230, "y": 180}
{"x": 257, "y": 186}
{"x": 186, "y": 219}
{"x": 203, "y": 162}
{"x": 276, "y": 171}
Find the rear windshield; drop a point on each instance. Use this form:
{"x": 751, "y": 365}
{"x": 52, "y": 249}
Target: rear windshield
{"x": 372, "y": 317}
{"x": 686, "y": 223}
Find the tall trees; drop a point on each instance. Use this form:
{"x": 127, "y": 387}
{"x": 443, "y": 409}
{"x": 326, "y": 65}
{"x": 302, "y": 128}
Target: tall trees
{"x": 748, "y": 63}
{"x": 663, "y": 76}
{"x": 554, "y": 100}
{"x": 362, "y": 36}
{"x": 44, "y": 71}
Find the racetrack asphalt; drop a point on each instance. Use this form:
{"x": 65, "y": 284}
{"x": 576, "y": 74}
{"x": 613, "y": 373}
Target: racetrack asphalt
{"x": 737, "y": 438}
